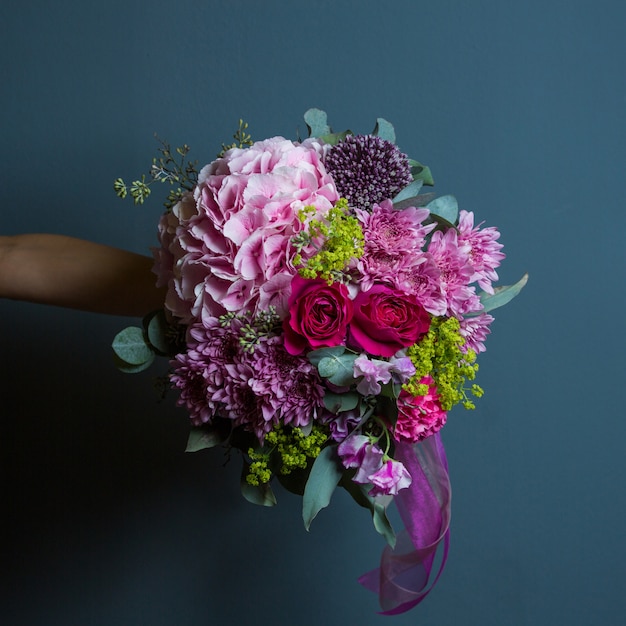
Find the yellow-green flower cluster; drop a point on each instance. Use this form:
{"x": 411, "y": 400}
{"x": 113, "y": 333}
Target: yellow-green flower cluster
{"x": 290, "y": 447}
{"x": 343, "y": 242}
{"x": 440, "y": 355}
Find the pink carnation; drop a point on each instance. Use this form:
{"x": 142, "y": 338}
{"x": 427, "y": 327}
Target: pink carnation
{"x": 419, "y": 416}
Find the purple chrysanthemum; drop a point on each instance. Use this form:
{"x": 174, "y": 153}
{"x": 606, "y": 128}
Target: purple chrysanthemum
{"x": 367, "y": 170}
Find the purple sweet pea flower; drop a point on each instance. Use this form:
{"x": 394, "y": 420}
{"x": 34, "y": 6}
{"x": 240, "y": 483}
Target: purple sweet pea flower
{"x": 374, "y": 372}
{"x": 358, "y": 451}
{"x": 389, "y": 479}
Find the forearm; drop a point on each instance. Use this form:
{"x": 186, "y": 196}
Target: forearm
{"x": 78, "y": 274}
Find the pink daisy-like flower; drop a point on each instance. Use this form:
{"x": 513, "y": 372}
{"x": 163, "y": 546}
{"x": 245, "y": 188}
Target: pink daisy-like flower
{"x": 484, "y": 251}
{"x": 452, "y": 258}
{"x": 475, "y": 330}
{"x": 393, "y": 241}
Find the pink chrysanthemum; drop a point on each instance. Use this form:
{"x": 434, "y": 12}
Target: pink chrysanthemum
{"x": 475, "y": 330}
{"x": 393, "y": 241}
{"x": 452, "y": 258}
{"x": 419, "y": 416}
{"x": 484, "y": 251}
{"x": 423, "y": 281}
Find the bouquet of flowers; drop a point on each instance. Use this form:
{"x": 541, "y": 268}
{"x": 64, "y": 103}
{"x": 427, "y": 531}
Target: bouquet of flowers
{"x": 323, "y": 316}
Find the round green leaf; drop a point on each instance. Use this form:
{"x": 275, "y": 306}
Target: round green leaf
{"x": 131, "y": 347}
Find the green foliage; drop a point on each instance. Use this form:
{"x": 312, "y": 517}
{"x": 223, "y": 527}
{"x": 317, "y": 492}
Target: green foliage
{"x": 317, "y": 123}
{"x": 502, "y": 295}
{"x": 241, "y": 137}
{"x": 284, "y": 451}
{"x": 445, "y": 207}
{"x": 384, "y": 130}
{"x": 205, "y": 437}
{"x": 260, "y": 494}
{"x": 132, "y": 350}
{"x": 170, "y": 167}
{"x": 339, "y": 402}
{"x": 421, "y": 172}
{"x": 334, "y": 363}
{"x": 342, "y": 241}
{"x": 440, "y": 354}
{"x": 323, "y": 480}
{"x": 409, "y": 192}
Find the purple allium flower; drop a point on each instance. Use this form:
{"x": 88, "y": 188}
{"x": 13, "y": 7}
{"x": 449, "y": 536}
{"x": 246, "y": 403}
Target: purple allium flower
{"x": 367, "y": 169}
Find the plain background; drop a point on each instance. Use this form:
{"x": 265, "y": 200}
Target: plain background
{"x": 518, "y": 108}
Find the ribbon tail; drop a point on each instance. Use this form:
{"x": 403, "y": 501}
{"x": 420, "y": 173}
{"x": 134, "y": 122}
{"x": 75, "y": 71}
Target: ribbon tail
{"x": 402, "y": 580}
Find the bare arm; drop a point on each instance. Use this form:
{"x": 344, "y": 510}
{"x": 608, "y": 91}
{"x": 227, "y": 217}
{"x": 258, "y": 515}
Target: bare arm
{"x": 78, "y": 274}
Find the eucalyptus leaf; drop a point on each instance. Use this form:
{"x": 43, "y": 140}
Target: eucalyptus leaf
{"x": 204, "y": 437}
{"x": 127, "y": 368}
{"x": 446, "y": 207}
{"x": 410, "y": 191}
{"x": 339, "y": 402}
{"x": 157, "y": 329}
{"x": 416, "y": 201}
{"x": 334, "y": 138}
{"x": 338, "y": 369}
{"x": 317, "y": 355}
{"x": 502, "y": 295}
{"x": 384, "y": 130}
{"x": 317, "y": 123}
{"x": 382, "y": 524}
{"x": 323, "y": 479}
{"x": 131, "y": 347}
{"x": 421, "y": 172}
{"x": 375, "y": 505}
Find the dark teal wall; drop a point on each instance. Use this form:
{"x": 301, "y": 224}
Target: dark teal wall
{"x": 519, "y": 109}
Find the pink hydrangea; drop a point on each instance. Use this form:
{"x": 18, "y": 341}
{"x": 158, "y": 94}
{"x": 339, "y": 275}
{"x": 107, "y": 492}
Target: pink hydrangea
{"x": 228, "y": 247}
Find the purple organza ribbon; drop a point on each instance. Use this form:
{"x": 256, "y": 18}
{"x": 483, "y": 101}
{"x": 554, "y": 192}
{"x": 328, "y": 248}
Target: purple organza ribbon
{"x": 401, "y": 581}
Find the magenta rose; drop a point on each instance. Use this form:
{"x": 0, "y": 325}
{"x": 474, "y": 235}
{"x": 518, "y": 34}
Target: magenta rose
{"x": 386, "y": 320}
{"x": 318, "y": 316}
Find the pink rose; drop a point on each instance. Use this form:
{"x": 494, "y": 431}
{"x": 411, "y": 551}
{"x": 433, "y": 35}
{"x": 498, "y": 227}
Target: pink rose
{"x": 419, "y": 416}
{"x": 386, "y": 320}
{"x": 319, "y": 315}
